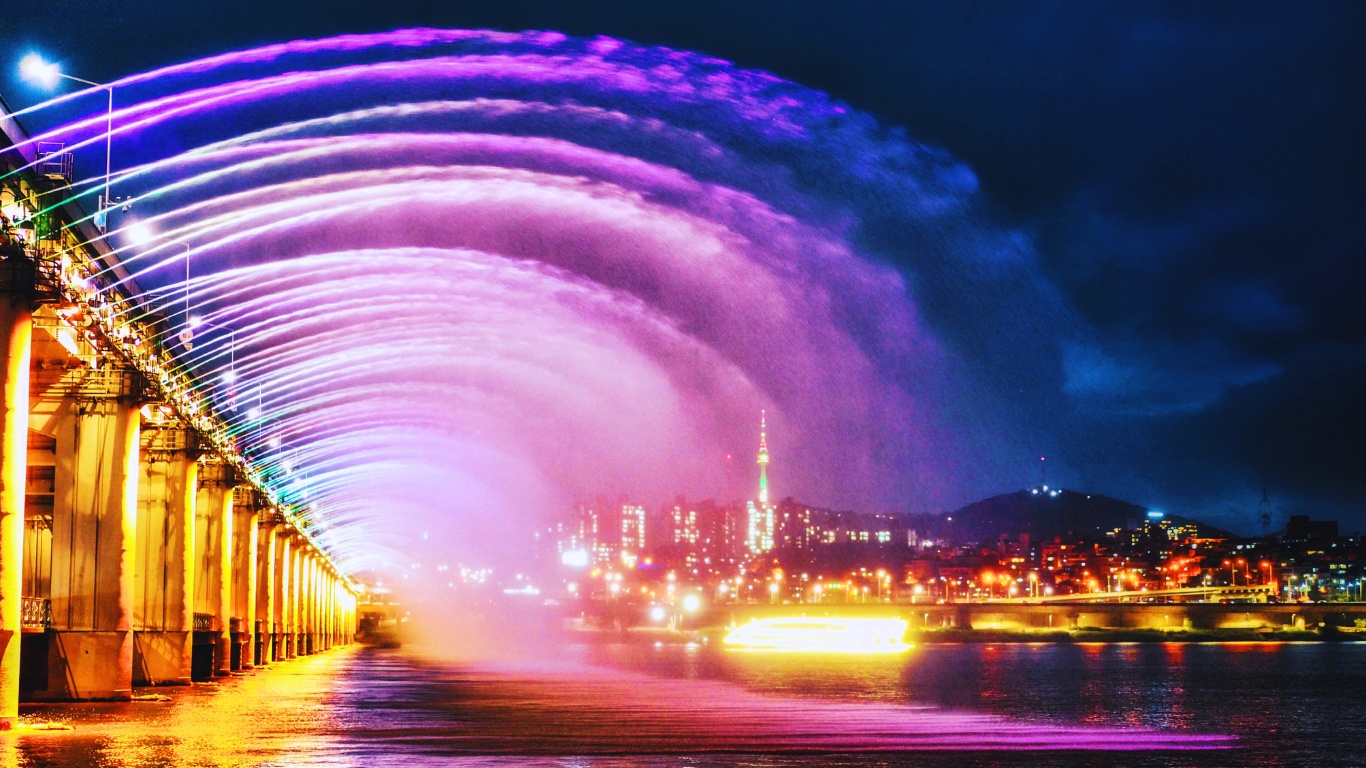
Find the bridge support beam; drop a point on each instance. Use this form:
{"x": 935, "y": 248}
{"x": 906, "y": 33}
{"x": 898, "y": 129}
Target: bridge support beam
{"x": 296, "y": 595}
{"x": 16, "y": 337}
{"x": 163, "y": 584}
{"x": 312, "y": 604}
{"x": 267, "y": 551}
{"x": 330, "y": 610}
{"x": 93, "y": 538}
{"x": 213, "y": 535}
{"x": 244, "y": 543}
{"x": 284, "y": 648}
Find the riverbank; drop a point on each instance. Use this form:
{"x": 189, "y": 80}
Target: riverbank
{"x": 1136, "y": 635}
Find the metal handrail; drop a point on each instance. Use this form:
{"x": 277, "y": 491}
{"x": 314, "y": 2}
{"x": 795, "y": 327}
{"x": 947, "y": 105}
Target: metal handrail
{"x": 36, "y": 613}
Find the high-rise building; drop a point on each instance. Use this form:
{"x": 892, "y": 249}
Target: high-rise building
{"x": 633, "y": 528}
{"x": 685, "y": 530}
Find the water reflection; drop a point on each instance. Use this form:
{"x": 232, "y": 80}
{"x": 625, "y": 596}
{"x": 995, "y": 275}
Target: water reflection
{"x": 957, "y": 705}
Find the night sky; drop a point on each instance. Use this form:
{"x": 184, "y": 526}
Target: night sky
{"x": 1187, "y": 179}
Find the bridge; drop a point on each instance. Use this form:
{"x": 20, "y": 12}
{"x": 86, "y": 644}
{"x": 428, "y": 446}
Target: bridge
{"x": 1257, "y": 593}
{"x": 138, "y": 545}
{"x": 1016, "y": 616}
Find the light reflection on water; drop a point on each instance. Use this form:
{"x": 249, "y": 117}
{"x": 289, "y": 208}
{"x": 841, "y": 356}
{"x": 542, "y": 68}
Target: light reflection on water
{"x": 677, "y": 707}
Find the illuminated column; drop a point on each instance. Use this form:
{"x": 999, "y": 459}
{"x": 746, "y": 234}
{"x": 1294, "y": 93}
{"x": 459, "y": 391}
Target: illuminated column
{"x": 296, "y": 583}
{"x": 16, "y": 337}
{"x": 213, "y": 538}
{"x": 325, "y": 609}
{"x": 349, "y": 623}
{"x": 319, "y": 613}
{"x": 265, "y": 591}
{"x": 305, "y": 596}
{"x": 163, "y": 579}
{"x": 244, "y": 548}
{"x": 352, "y": 616}
{"x": 332, "y": 610}
{"x": 310, "y": 607}
{"x": 280, "y": 608}
{"x": 324, "y": 641}
{"x": 93, "y": 536}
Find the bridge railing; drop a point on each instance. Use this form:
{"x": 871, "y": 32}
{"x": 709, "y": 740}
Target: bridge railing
{"x": 1256, "y": 592}
{"x": 35, "y": 613}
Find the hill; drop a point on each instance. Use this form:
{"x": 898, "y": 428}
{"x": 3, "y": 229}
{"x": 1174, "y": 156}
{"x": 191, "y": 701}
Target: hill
{"x": 1044, "y": 514}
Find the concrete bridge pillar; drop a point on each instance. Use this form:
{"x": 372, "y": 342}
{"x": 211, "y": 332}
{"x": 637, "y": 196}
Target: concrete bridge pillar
{"x": 308, "y": 616}
{"x": 281, "y": 646}
{"x": 163, "y": 580}
{"x": 93, "y": 540}
{"x": 244, "y": 548}
{"x": 16, "y": 336}
{"x": 213, "y": 536}
{"x": 330, "y": 609}
{"x": 314, "y": 592}
{"x": 299, "y": 598}
{"x": 266, "y": 550}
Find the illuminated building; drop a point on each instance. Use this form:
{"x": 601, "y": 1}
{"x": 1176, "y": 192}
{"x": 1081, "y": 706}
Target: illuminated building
{"x": 632, "y": 528}
{"x": 759, "y": 537}
{"x": 605, "y": 532}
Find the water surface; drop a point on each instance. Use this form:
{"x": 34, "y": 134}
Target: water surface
{"x": 640, "y": 705}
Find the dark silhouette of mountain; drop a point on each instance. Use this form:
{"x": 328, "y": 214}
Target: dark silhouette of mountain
{"x": 1045, "y": 513}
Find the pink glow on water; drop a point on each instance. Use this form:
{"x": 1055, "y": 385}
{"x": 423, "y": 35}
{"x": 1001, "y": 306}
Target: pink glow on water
{"x": 595, "y": 708}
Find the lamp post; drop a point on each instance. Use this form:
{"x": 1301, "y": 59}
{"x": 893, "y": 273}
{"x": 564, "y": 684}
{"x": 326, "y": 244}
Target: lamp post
{"x": 33, "y": 69}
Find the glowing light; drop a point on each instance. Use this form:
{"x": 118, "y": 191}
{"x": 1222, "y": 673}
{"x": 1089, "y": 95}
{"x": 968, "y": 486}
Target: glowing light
{"x": 139, "y": 233}
{"x": 575, "y": 558}
{"x": 821, "y": 635}
{"x": 692, "y": 603}
{"x": 67, "y": 338}
{"x": 657, "y": 613}
{"x": 33, "y": 69}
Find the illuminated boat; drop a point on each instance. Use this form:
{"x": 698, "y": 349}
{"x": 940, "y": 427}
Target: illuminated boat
{"x": 820, "y": 635}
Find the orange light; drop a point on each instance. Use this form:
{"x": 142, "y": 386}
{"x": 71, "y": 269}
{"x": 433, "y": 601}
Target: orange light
{"x": 821, "y": 635}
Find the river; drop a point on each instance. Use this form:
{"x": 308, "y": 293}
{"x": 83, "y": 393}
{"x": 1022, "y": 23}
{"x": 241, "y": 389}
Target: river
{"x": 1035, "y": 705}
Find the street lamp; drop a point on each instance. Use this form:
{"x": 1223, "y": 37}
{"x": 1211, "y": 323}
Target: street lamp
{"x": 141, "y": 233}
{"x": 45, "y": 74}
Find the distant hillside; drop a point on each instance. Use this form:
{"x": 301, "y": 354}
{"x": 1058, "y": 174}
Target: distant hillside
{"x": 1042, "y": 514}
